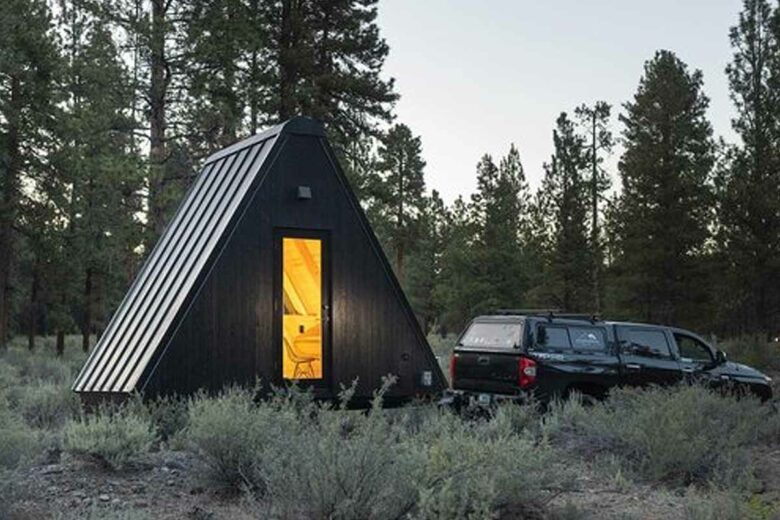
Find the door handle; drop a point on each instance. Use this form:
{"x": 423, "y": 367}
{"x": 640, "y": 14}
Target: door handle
{"x": 687, "y": 370}
{"x": 483, "y": 360}
{"x": 633, "y": 366}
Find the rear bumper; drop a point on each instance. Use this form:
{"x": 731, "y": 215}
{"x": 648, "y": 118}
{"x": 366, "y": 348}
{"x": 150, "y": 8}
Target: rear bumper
{"x": 470, "y": 398}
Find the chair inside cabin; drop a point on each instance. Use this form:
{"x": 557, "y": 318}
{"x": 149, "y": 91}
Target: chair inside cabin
{"x": 302, "y": 319}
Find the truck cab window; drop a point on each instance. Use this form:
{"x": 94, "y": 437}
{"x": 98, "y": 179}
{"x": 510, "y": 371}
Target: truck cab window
{"x": 552, "y": 338}
{"x": 588, "y": 338}
{"x": 647, "y": 343}
{"x": 692, "y": 350}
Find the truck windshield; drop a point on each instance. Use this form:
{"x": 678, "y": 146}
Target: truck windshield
{"x": 492, "y": 335}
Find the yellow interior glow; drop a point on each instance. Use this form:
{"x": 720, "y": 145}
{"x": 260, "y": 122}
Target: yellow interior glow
{"x": 302, "y": 319}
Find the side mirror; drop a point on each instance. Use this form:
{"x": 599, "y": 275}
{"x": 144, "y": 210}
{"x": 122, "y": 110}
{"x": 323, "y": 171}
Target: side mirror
{"x": 720, "y": 357}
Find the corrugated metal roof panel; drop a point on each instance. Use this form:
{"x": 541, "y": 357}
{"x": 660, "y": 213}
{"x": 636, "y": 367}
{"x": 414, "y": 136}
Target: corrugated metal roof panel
{"x": 152, "y": 304}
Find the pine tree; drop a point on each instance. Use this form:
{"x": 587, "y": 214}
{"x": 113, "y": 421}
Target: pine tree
{"x": 400, "y": 191}
{"x": 748, "y": 205}
{"x": 102, "y": 174}
{"x": 498, "y": 208}
{"x": 666, "y": 201}
{"x": 228, "y": 74}
{"x": 28, "y": 64}
{"x": 424, "y": 263}
{"x": 594, "y": 123}
{"x": 153, "y": 39}
{"x": 459, "y": 280}
{"x": 329, "y": 56}
{"x": 565, "y": 203}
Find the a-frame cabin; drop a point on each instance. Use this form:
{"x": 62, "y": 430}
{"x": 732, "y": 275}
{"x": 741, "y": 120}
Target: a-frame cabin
{"x": 269, "y": 269}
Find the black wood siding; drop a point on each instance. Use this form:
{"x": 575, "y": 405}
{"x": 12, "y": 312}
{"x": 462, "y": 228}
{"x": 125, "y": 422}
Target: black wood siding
{"x": 224, "y": 331}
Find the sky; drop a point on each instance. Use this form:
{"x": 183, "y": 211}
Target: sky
{"x": 475, "y": 76}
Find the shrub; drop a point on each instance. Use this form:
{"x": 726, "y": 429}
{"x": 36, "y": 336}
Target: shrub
{"x": 303, "y": 459}
{"x": 9, "y": 376}
{"x": 18, "y": 443}
{"x": 335, "y": 463}
{"x": 47, "y": 405}
{"x": 225, "y": 432}
{"x": 113, "y": 437}
{"x": 472, "y": 469}
{"x": 169, "y": 415}
{"x": 9, "y": 493}
{"x": 44, "y": 367}
{"x": 754, "y": 351}
{"x": 679, "y": 435}
{"x": 720, "y": 506}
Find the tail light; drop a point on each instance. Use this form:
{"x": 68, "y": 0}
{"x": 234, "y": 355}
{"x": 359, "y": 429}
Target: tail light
{"x": 453, "y": 364}
{"x": 526, "y": 372}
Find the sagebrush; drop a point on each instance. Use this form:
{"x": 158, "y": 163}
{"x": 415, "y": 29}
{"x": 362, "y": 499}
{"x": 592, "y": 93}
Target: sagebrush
{"x": 112, "y": 436}
{"x": 679, "y": 435}
{"x": 304, "y": 459}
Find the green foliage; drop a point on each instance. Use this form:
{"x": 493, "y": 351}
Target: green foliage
{"x": 47, "y": 405}
{"x": 485, "y": 262}
{"x": 472, "y": 469}
{"x": 41, "y": 367}
{"x": 9, "y": 492}
{"x": 28, "y": 97}
{"x": 9, "y": 376}
{"x": 397, "y": 190}
{"x": 564, "y": 204}
{"x": 754, "y": 351}
{"x": 747, "y": 181}
{"x": 424, "y": 263}
{"x": 720, "y": 506}
{"x": 226, "y": 433}
{"x": 665, "y": 207}
{"x": 302, "y": 459}
{"x": 346, "y": 463}
{"x": 169, "y": 415}
{"x": 594, "y": 125}
{"x": 330, "y": 59}
{"x": 113, "y": 437}
{"x": 18, "y": 443}
{"x": 498, "y": 210}
{"x": 677, "y": 435}
{"x": 442, "y": 345}
{"x": 457, "y": 280}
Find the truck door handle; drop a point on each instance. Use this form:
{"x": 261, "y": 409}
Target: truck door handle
{"x": 633, "y": 366}
{"x": 687, "y": 370}
{"x": 483, "y": 360}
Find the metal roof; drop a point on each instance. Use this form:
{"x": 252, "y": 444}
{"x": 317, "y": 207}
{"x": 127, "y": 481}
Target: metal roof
{"x": 151, "y": 307}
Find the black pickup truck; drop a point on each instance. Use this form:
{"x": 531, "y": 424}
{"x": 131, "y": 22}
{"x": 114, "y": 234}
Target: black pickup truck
{"x": 515, "y": 355}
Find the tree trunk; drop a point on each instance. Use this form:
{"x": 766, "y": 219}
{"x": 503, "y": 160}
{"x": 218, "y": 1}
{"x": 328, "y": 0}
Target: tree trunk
{"x": 60, "y": 344}
{"x": 32, "y": 312}
{"x": 400, "y": 232}
{"x": 86, "y": 325}
{"x": 594, "y": 229}
{"x": 287, "y": 65}
{"x": 157, "y": 106}
{"x": 253, "y": 110}
{"x": 8, "y": 208}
